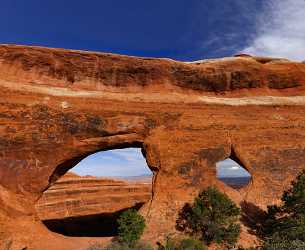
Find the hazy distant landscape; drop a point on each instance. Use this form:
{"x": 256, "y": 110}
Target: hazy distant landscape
{"x": 140, "y": 178}
{"x": 236, "y": 182}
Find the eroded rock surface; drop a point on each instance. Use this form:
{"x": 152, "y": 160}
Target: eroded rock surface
{"x": 76, "y": 196}
{"x": 90, "y": 206}
{"x": 58, "y": 106}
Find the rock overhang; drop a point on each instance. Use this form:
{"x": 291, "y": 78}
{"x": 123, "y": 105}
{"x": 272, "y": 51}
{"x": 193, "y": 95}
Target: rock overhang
{"x": 79, "y": 70}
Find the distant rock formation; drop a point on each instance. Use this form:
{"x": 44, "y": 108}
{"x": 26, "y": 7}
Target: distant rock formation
{"x": 75, "y": 196}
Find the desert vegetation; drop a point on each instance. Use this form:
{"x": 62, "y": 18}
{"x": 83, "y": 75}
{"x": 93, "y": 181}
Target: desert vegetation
{"x": 212, "y": 220}
{"x": 284, "y": 225}
{"x": 182, "y": 244}
{"x": 130, "y": 229}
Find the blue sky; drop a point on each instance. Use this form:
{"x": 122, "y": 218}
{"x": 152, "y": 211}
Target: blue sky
{"x": 130, "y": 162}
{"x": 178, "y": 29}
{"x": 119, "y": 162}
{"x": 229, "y": 168}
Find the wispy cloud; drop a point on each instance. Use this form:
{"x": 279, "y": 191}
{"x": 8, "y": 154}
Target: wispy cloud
{"x": 129, "y": 154}
{"x": 280, "y": 30}
{"x": 221, "y": 28}
{"x": 235, "y": 168}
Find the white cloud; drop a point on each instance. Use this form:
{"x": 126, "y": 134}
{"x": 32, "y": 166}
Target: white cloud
{"x": 235, "y": 168}
{"x": 280, "y": 30}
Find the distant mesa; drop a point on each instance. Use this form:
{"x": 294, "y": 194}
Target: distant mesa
{"x": 243, "y": 55}
{"x": 91, "y": 195}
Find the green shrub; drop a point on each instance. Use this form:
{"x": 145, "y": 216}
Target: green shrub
{"x": 191, "y": 244}
{"x": 169, "y": 244}
{"x": 278, "y": 243}
{"x": 284, "y": 227}
{"x": 184, "y": 244}
{"x": 131, "y": 227}
{"x": 212, "y": 218}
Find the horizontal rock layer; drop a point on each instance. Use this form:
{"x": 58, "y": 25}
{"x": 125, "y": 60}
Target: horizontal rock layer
{"x": 75, "y": 196}
{"x": 79, "y": 70}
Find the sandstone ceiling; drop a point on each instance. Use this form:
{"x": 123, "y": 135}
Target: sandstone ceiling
{"x": 58, "y": 106}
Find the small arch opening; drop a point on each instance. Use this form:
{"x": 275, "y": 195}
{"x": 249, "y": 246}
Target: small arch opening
{"x": 232, "y": 173}
{"x": 89, "y": 198}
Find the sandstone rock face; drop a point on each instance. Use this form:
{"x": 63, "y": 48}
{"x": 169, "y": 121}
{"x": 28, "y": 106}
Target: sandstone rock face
{"x": 90, "y": 206}
{"x": 58, "y": 106}
{"x": 75, "y": 196}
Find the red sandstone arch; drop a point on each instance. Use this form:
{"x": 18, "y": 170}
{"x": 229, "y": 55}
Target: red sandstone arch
{"x": 56, "y": 106}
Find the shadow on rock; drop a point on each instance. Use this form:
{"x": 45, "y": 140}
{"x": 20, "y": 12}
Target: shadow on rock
{"x": 253, "y": 217}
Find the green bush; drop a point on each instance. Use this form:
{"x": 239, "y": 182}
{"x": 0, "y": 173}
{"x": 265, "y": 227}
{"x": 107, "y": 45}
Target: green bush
{"x": 191, "y": 244}
{"x": 212, "y": 218}
{"x": 142, "y": 246}
{"x": 284, "y": 227}
{"x": 169, "y": 244}
{"x": 131, "y": 227}
{"x": 184, "y": 244}
{"x": 278, "y": 243}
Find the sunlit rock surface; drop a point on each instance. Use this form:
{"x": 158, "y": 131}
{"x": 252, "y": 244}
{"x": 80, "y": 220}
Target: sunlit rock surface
{"x": 75, "y": 196}
{"x": 58, "y": 106}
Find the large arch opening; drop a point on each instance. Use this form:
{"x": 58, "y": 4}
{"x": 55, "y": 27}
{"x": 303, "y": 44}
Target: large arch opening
{"x": 88, "y": 199}
{"x": 232, "y": 173}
